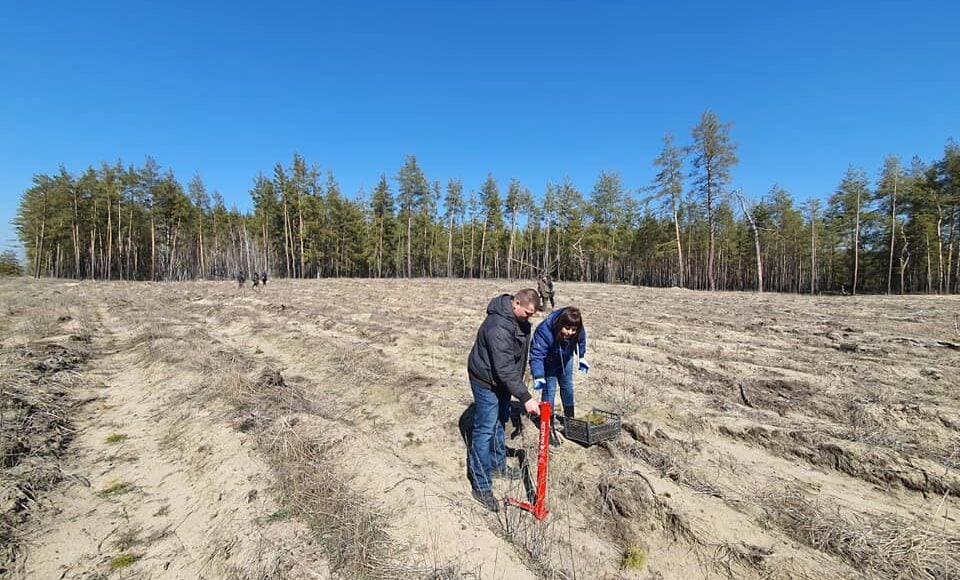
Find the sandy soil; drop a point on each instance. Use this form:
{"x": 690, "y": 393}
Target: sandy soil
{"x": 311, "y": 429}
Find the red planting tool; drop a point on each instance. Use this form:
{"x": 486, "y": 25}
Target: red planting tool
{"x": 539, "y": 507}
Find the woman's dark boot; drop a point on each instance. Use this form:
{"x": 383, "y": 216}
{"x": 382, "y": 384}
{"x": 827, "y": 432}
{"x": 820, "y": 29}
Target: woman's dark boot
{"x": 567, "y": 414}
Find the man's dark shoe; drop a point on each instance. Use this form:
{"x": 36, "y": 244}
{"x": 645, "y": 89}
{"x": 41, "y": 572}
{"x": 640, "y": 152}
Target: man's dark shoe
{"x": 487, "y": 500}
{"x": 554, "y": 436}
{"x": 507, "y": 473}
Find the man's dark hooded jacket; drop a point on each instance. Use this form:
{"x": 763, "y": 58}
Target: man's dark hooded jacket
{"x": 499, "y": 355}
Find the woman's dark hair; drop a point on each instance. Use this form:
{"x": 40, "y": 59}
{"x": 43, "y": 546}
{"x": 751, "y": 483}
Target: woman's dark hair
{"x": 569, "y": 316}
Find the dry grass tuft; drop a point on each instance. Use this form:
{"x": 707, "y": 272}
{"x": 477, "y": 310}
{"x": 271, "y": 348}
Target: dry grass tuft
{"x": 40, "y": 323}
{"x": 732, "y": 555}
{"x": 167, "y": 341}
{"x": 36, "y": 384}
{"x": 128, "y": 538}
{"x": 882, "y": 546}
{"x": 875, "y": 464}
{"x": 85, "y": 326}
{"x": 533, "y": 539}
{"x": 629, "y": 498}
{"x": 363, "y": 364}
{"x": 312, "y": 484}
{"x": 669, "y": 457}
{"x": 314, "y": 488}
{"x": 260, "y": 401}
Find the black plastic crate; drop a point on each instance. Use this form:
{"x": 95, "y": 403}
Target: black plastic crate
{"x": 587, "y": 433}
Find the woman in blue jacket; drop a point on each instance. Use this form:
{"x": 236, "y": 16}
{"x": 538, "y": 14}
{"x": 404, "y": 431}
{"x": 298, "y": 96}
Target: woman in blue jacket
{"x": 556, "y": 340}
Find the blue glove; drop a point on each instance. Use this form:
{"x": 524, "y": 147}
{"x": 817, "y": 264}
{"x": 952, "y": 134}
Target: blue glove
{"x": 584, "y": 366}
{"x": 539, "y": 383}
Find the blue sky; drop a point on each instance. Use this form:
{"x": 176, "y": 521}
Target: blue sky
{"x": 534, "y": 90}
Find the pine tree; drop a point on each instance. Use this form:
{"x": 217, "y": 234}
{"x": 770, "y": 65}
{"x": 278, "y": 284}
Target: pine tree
{"x": 607, "y": 209}
{"x": 111, "y": 185}
{"x": 668, "y": 185}
{"x": 549, "y": 216}
{"x": 512, "y": 207}
{"x": 10, "y": 264}
{"x": 813, "y": 217}
{"x": 786, "y": 224}
{"x": 714, "y": 155}
{"x": 749, "y": 208}
{"x": 453, "y": 210}
{"x": 492, "y": 229}
{"x": 846, "y": 207}
{"x": 891, "y": 180}
{"x": 946, "y": 184}
{"x": 571, "y": 223}
{"x": 412, "y": 193}
{"x": 267, "y": 216}
{"x": 382, "y": 227}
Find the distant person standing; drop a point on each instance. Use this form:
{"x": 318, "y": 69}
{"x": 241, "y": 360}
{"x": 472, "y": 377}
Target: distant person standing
{"x": 545, "y": 290}
{"x": 495, "y": 366}
{"x": 241, "y": 278}
{"x": 559, "y": 338}
{"x": 263, "y": 277}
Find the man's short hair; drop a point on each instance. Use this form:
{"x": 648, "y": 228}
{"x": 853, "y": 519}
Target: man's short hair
{"x": 528, "y": 297}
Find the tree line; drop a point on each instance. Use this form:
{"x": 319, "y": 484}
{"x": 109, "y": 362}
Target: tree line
{"x": 899, "y": 233}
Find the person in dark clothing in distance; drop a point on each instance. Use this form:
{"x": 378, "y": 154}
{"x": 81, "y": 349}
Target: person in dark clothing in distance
{"x": 545, "y": 290}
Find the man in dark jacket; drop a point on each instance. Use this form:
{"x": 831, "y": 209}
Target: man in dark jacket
{"x": 496, "y": 366}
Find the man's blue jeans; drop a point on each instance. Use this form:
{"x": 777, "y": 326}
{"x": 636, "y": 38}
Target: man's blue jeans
{"x": 562, "y": 375}
{"x": 487, "y": 447}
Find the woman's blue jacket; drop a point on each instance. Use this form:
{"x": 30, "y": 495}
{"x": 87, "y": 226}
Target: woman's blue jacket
{"x": 548, "y": 353}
